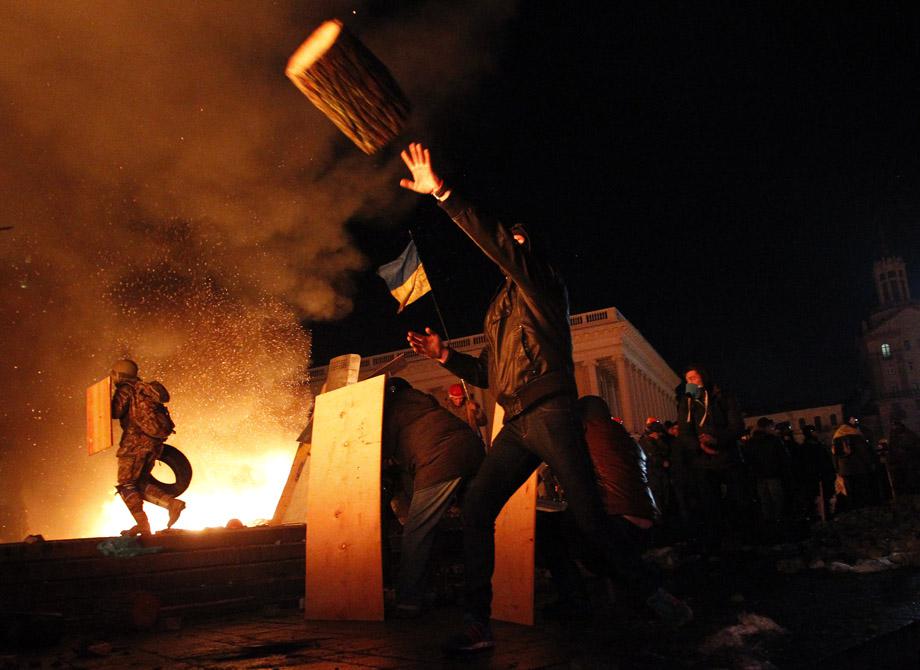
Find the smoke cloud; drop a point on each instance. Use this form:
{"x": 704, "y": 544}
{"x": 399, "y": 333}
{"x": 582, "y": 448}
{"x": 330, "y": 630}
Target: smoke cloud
{"x": 174, "y": 199}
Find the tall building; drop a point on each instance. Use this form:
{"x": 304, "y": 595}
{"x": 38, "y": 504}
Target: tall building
{"x": 890, "y": 347}
{"x": 612, "y": 360}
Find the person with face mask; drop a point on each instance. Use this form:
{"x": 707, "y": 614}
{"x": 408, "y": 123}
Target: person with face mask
{"x": 710, "y": 425}
{"x": 527, "y": 363}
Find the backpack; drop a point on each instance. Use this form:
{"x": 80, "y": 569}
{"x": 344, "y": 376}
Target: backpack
{"x": 147, "y": 411}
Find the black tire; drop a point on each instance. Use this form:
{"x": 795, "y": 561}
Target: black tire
{"x": 182, "y": 469}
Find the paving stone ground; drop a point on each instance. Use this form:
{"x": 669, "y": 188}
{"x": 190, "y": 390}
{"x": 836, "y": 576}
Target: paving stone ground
{"x": 830, "y": 620}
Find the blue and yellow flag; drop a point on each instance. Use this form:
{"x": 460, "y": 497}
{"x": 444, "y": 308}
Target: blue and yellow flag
{"x": 405, "y": 277}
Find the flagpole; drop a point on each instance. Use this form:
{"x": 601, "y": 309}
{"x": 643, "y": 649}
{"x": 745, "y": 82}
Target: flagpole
{"x": 437, "y": 309}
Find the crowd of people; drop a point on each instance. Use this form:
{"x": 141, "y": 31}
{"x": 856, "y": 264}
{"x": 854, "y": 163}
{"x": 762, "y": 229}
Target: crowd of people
{"x": 767, "y": 484}
{"x": 703, "y": 478}
{"x": 703, "y": 474}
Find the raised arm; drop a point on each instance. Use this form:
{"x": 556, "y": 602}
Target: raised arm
{"x": 495, "y": 241}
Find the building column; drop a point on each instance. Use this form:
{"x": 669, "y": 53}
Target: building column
{"x": 593, "y": 385}
{"x": 642, "y": 399}
{"x": 624, "y": 392}
{"x": 637, "y": 405}
{"x": 649, "y": 401}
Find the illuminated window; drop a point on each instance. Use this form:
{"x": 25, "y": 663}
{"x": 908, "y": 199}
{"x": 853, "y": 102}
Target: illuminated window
{"x": 886, "y": 351}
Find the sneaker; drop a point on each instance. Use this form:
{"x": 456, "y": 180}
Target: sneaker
{"x": 672, "y": 611}
{"x": 476, "y": 637}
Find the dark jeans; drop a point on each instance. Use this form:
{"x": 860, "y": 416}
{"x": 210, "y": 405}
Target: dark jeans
{"x": 550, "y": 431}
{"x": 720, "y": 500}
{"x": 555, "y": 551}
{"x": 558, "y": 544}
{"x": 425, "y": 511}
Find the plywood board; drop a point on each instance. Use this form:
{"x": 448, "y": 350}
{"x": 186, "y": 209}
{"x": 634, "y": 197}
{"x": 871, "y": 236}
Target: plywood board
{"x": 99, "y": 416}
{"x": 292, "y": 505}
{"x": 343, "y": 371}
{"x": 344, "y": 570}
{"x": 515, "y": 532}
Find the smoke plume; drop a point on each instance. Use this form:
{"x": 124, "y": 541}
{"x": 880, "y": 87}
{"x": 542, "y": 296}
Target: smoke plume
{"x": 175, "y": 200}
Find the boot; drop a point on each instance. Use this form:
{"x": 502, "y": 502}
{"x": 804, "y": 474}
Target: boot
{"x": 175, "y": 509}
{"x": 135, "y": 505}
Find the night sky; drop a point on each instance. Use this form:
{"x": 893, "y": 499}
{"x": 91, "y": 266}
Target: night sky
{"x": 725, "y": 176}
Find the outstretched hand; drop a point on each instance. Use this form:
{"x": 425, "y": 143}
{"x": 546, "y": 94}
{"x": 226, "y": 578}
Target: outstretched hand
{"x": 424, "y": 179}
{"x": 428, "y": 344}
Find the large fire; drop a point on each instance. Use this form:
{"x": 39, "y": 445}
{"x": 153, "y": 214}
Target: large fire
{"x": 234, "y": 487}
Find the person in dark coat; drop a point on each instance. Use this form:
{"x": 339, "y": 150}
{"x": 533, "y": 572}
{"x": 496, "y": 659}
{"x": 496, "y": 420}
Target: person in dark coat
{"x": 436, "y": 452}
{"x": 904, "y": 459}
{"x": 657, "y": 451}
{"x": 710, "y": 425}
{"x": 621, "y": 470}
{"x": 817, "y": 475}
{"x": 527, "y": 363}
{"x": 768, "y": 463}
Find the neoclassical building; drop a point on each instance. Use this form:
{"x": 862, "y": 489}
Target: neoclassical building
{"x": 612, "y": 360}
{"x": 890, "y": 348}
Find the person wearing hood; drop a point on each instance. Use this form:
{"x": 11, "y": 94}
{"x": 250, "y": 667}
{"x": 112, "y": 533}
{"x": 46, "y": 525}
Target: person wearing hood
{"x": 710, "y": 425}
{"x": 527, "y": 363}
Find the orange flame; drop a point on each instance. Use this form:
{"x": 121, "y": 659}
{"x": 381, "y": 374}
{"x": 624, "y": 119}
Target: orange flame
{"x": 234, "y": 488}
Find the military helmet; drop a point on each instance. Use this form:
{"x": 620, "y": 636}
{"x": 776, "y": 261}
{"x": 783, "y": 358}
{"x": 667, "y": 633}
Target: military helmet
{"x": 124, "y": 369}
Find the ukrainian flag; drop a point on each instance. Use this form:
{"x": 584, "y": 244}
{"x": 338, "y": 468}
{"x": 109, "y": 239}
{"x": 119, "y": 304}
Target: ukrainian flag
{"x": 405, "y": 277}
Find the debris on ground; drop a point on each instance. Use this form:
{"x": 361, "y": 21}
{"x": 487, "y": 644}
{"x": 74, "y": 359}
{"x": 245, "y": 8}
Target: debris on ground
{"x": 870, "y": 539}
{"x": 742, "y": 645}
{"x": 125, "y": 546}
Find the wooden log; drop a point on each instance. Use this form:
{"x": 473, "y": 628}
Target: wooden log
{"x": 350, "y": 86}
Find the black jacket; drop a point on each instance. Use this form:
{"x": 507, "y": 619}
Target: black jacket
{"x": 528, "y": 352}
{"x": 429, "y": 443}
{"x": 766, "y": 456}
{"x": 621, "y": 468}
{"x": 715, "y": 414}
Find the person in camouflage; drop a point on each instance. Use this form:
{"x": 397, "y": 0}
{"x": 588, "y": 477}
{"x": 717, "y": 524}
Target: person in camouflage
{"x": 140, "y": 445}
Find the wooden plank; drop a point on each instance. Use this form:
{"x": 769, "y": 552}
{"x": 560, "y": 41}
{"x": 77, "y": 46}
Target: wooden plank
{"x": 292, "y": 505}
{"x": 344, "y": 570}
{"x": 515, "y": 531}
{"x": 99, "y": 416}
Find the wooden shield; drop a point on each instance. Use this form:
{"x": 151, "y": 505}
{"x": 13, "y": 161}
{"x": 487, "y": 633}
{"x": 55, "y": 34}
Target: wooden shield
{"x": 344, "y": 566}
{"x": 515, "y": 533}
{"x": 99, "y": 416}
